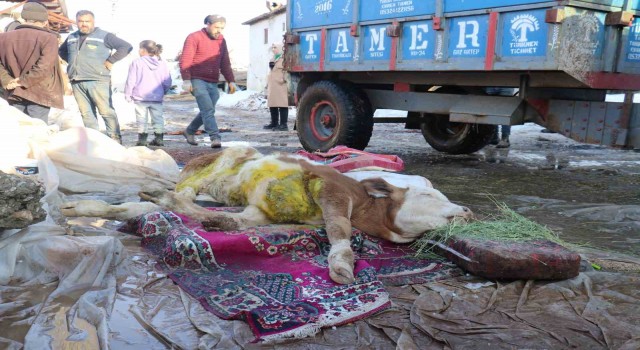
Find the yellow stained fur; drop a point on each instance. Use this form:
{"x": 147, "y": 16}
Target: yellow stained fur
{"x": 206, "y": 175}
{"x": 280, "y": 190}
{"x": 290, "y": 200}
{"x": 265, "y": 172}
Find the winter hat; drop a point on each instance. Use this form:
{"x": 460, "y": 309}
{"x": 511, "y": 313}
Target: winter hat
{"x": 34, "y": 11}
{"x": 214, "y": 19}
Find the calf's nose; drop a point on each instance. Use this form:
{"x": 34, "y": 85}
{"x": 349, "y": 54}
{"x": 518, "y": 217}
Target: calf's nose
{"x": 467, "y": 213}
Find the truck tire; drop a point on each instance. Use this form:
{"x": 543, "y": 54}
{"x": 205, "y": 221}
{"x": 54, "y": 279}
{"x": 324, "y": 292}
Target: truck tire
{"x": 331, "y": 114}
{"x": 455, "y": 138}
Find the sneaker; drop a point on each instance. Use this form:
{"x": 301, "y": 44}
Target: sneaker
{"x": 270, "y": 126}
{"x": 281, "y": 127}
{"x": 504, "y": 143}
{"x": 216, "y": 143}
{"x": 191, "y": 139}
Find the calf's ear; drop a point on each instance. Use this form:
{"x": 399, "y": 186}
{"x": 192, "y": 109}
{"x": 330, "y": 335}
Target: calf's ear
{"x": 377, "y": 187}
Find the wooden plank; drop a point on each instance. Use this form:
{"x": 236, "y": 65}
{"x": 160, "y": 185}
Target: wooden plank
{"x": 11, "y": 8}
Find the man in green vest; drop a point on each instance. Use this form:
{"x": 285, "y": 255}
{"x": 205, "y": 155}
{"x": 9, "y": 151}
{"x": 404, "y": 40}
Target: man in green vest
{"x": 91, "y": 53}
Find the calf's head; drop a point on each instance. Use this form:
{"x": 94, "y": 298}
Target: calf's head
{"x": 417, "y": 210}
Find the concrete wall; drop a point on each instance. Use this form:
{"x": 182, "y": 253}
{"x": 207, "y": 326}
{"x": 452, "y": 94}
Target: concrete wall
{"x": 260, "y": 53}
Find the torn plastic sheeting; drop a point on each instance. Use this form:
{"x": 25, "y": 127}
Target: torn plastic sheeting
{"x": 12, "y": 250}
{"x": 84, "y": 270}
{"x": 41, "y": 255}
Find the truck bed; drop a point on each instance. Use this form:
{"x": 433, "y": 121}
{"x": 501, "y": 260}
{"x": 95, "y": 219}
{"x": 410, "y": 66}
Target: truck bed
{"x": 586, "y": 44}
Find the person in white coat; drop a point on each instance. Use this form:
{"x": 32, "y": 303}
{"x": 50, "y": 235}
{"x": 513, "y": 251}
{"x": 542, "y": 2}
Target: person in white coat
{"x": 277, "y": 94}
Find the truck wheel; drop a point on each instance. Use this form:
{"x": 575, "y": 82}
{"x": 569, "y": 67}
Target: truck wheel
{"x": 455, "y": 138}
{"x": 330, "y": 114}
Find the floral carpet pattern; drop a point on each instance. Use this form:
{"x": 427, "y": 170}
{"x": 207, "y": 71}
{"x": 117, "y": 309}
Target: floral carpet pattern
{"x": 276, "y": 277}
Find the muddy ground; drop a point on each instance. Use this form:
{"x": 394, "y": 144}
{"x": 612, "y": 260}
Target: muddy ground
{"x": 589, "y": 195}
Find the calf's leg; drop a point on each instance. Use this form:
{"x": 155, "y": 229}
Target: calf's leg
{"x": 251, "y": 216}
{"x": 102, "y": 209}
{"x": 211, "y": 220}
{"x": 338, "y": 225}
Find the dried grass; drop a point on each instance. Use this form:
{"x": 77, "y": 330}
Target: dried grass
{"x": 506, "y": 226}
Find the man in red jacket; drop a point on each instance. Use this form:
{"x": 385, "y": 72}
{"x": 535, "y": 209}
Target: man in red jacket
{"x": 204, "y": 56}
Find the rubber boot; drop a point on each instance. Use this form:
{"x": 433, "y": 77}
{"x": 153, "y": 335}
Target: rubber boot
{"x": 142, "y": 139}
{"x": 283, "y": 122}
{"x": 504, "y": 143}
{"x": 157, "y": 140}
{"x": 274, "y": 119}
{"x": 281, "y": 127}
{"x": 494, "y": 139}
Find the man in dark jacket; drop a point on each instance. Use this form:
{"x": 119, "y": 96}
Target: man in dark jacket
{"x": 204, "y": 56}
{"x": 29, "y": 70}
{"x": 88, "y": 52}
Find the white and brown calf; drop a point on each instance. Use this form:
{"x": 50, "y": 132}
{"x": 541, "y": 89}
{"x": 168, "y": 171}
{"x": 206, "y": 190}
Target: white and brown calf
{"x": 291, "y": 189}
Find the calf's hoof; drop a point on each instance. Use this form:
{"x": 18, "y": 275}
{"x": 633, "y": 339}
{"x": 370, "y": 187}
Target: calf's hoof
{"x": 161, "y": 197}
{"x": 341, "y": 273}
{"x": 341, "y": 265}
{"x": 221, "y": 223}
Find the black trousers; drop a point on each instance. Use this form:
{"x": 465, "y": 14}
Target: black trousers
{"x": 282, "y": 112}
{"x": 33, "y": 110}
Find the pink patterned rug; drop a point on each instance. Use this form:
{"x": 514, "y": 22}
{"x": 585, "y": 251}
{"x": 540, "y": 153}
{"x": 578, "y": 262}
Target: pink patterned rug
{"x": 276, "y": 277}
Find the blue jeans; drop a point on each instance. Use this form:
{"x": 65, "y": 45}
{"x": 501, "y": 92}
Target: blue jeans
{"x": 206, "y": 95}
{"x": 33, "y": 110}
{"x": 92, "y": 94}
{"x": 500, "y": 91}
{"x": 146, "y": 111}
{"x": 505, "y": 131}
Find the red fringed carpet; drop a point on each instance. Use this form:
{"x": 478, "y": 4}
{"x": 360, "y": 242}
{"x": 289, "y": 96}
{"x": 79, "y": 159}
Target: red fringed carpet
{"x": 276, "y": 277}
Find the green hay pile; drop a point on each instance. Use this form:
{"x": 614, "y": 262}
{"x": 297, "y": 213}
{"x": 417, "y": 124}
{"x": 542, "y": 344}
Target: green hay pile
{"x": 506, "y": 226}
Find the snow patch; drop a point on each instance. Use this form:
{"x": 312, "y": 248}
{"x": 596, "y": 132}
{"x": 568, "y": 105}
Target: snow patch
{"x": 245, "y": 100}
{"x": 620, "y": 98}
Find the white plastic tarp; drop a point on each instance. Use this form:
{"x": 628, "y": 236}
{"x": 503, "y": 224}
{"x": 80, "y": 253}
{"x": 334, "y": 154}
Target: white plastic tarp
{"x": 62, "y": 287}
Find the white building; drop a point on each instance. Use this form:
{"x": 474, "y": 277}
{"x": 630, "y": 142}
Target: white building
{"x": 264, "y": 30}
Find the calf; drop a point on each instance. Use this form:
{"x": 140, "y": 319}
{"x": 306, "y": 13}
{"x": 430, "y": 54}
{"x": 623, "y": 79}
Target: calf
{"x": 291, "y": 189}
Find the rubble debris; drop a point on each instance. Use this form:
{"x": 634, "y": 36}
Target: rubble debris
{"x": 20, "y": 201}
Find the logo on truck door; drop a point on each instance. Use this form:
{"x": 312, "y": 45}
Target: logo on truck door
{"x": 524, "y": 34}
{"x": 468, "y": 36}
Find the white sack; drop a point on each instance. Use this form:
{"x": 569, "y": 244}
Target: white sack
{"x": 16, "y": 132}
{"x": 89, "y": 161}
